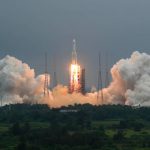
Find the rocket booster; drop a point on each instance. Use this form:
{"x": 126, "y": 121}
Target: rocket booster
{"x": 76, "y": 77}
{"x": 74, "y": 53}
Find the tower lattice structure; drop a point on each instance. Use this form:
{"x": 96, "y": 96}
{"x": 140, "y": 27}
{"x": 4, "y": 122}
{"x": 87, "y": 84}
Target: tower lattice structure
{"x": 46, "y": 80}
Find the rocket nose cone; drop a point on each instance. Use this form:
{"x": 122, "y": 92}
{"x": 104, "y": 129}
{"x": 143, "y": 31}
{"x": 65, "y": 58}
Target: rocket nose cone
{"x": 74, "y": 41}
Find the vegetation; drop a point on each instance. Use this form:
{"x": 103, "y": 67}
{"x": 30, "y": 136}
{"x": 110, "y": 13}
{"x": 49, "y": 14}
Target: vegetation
{"x": 78, "y": 127}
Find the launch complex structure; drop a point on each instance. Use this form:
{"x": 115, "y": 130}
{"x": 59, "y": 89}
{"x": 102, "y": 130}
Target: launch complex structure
{"x": 76, "y": 75}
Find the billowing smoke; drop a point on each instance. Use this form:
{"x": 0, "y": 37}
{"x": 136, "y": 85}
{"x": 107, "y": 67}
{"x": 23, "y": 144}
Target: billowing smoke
{"x": 61, "y": 97}
{"x": 130, "y": 81}
{"x": 18, "y": 82}
{"x": 130, "y": 84}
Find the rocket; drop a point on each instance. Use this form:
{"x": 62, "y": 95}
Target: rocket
{"x": 77, "y": 80}
{"x": 74, "y": 53}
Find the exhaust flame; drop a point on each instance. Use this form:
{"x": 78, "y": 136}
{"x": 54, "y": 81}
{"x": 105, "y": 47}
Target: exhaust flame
{"x": 75, "y": 74}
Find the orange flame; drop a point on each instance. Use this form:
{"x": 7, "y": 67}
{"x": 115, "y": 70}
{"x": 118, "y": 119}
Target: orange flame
{"x": 75, "y": 72}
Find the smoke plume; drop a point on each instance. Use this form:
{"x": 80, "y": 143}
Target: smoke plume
{"x": 18, "y": 83}
{"x": 130, "y": 84}
{"x": 61, "y": 97}
{"x": 130, "y": 81}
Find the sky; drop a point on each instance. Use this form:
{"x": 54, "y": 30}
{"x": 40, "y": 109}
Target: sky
{"x": 115, "y": 28}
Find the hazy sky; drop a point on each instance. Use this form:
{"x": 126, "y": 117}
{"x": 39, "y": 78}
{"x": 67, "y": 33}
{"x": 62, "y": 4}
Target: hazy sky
{"x": 115, "y": 27}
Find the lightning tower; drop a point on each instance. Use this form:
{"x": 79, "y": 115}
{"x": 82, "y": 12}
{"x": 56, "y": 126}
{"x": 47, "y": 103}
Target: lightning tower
{"x": 46, "y": 80}
{"x": 106, "y": 72}
{"x": 54, "y": 73}
{"x": 100, "y": 84}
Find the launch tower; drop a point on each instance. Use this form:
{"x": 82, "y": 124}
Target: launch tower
{"x": 46, "y": 80}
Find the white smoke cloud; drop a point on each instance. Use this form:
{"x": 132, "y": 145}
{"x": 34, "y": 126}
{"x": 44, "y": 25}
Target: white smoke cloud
{"x": 18, "y": 82}
{"x": 130, "y": 81}
{"x": 130, "y": 84}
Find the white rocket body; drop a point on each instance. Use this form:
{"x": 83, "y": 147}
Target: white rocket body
{"x": 74, "y": 53}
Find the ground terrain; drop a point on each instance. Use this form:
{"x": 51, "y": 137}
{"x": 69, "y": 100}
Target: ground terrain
{"x": 78, "y": 127}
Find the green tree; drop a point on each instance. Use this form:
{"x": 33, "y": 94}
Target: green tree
{"x": 22, "y": 144}
{"x": 15, "y": 129}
